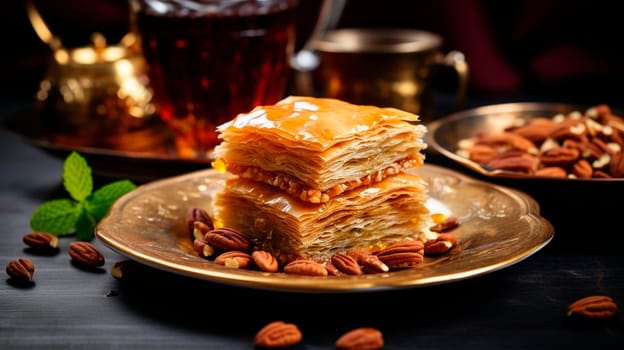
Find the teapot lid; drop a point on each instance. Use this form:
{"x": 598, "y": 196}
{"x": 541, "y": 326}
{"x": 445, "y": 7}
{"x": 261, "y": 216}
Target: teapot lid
{"x": 98, "y": 53}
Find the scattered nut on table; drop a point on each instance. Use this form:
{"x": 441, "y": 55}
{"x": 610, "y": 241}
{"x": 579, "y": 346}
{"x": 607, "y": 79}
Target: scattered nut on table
{"x": 593, "y": 307}
{"x": 41, "y": 240}
{"x": 21, "y": 270}
{"x": 361, "y": 338}
{"x": 278, "y": 334}
{"x": 85, "y": 254}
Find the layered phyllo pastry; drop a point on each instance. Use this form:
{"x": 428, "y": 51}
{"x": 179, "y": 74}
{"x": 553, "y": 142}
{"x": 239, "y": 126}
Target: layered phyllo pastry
{"x": 316, "y": 149}
{"x": 315, "y": 177}
{"x": 368, "y": 217}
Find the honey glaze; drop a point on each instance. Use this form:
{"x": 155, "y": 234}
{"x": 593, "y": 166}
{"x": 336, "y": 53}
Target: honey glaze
{"x": 322, "y": 122}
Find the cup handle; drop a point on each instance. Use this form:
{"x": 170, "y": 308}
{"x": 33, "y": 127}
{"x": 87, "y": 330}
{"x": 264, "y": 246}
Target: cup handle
{"x": 306, "y": 60}
{"x": 457, "y": 62}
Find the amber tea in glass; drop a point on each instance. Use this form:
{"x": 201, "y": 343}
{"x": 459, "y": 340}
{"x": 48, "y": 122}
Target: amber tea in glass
{"x": 210, "y": 60}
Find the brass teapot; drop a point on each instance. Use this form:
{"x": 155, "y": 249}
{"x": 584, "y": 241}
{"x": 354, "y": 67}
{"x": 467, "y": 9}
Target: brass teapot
{"x": 95, "y": 95}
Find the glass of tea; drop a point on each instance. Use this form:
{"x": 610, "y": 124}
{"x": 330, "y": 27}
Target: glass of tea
{"x": 209, "y": 60}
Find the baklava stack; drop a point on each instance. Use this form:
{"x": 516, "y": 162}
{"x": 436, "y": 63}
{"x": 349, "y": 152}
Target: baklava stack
{"x": 316, "y": 177}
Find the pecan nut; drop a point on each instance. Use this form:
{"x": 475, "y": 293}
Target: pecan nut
{"x": 582, "y": 169}
{"x": 569, "y": 128}
{"x": 85, "y": 254}
{"x": 265, "y": 261}
{"x": 590, "y": 150}
{"x": 536, "y": 129}
{"x": 305, "y": 267}
{"x": 599, "y": 174}
{"x": 369, "y": 262}
{"x": 514, "y": 161}
{"x": 123, "y": 269}
{"x": 481, "y": 153}
{"x": 559, "y": 156}
{"x": 361, "y": 338}
{"x": 552, "y": 171}
{"x": 617, "y": 136}
{"x": 278, "y": 334}
{"x": 41, "y": 240}
{"x": 593, "y": 307}
{"x": 227, "y": 239}
{"x": 21, "y": 270}
{"x": 448, "y": 224}
{"x": 616, "y": 167}
{"x": 202, "y": 248}
{"x": 346, "y": 264}
{"x": 511, "y": 140}
{"x": 233, "y": 258}
{"x": 200, "y": 229}
{"x": 600, "y": 146}
{"x": 441, "y": 244}
{"x": 331, "y": 269}
{"x": 402, "y": 254}
{"x": 197, "y": 215}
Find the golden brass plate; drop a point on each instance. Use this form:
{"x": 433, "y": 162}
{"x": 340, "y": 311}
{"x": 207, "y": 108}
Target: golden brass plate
{"x": 499, "y": 227}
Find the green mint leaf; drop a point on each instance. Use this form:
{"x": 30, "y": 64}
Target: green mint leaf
{"x": 77, "y": 177}
{"x": 85, "y": 226}
{"x": 57, "y": 216}
{"x": 80, "y": 215}
{"x": 98, "y": 204}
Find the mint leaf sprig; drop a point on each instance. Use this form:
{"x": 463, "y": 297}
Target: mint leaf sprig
{"x": 80, "y": 213}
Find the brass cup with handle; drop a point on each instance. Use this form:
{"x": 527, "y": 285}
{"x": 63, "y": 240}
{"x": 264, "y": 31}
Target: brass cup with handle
{"x": 388, "y": 67}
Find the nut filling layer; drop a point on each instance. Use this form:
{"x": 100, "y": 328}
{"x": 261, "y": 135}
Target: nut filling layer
{"x": 299, "y": 190}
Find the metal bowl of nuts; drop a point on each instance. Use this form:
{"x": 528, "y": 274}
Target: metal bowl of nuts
{"x": 554, "y": 141}
{"x": 567, "y": 157}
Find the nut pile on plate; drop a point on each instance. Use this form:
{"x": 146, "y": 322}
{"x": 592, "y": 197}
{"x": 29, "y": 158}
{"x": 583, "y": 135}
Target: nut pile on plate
{"x": 576, "y": 145}
{"x": 232, "y": 248}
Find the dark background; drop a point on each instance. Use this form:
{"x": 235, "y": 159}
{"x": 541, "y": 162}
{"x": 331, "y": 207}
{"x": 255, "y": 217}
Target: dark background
{"x": 548, "y": 50}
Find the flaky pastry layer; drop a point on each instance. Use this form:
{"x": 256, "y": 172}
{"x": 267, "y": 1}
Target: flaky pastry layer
{"x": 316, "y": 148}
{"x": 370, "y": 216}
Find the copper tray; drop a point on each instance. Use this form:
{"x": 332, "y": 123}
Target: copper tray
{"x": 144, "y": 155}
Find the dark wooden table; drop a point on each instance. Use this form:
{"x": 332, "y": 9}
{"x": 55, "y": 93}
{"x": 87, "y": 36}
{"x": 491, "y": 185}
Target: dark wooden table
{"x": 520, "y": 307}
